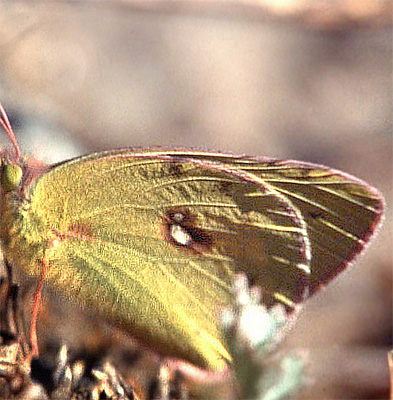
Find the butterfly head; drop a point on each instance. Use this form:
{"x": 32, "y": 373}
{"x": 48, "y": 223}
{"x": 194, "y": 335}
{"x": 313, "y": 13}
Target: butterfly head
{"x": 10, "y": 176}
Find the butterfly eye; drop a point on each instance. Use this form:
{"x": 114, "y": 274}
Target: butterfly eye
{"x": 11, "y": 176}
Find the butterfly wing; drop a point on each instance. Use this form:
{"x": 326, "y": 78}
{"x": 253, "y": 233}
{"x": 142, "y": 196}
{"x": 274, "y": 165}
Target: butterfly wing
{"x": 151, "y": 242}
{"x": 340, "y": 211}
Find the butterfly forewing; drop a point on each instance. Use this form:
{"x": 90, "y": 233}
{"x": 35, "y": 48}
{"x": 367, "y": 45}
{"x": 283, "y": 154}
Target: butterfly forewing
{"x": 340, "y": 211}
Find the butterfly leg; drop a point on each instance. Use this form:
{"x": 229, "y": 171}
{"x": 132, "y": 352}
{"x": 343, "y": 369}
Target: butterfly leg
{"x": 36, "y": 309}
{"x": 37, "y": 299}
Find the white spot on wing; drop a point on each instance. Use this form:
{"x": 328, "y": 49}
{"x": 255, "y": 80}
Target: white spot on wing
{"x": 179, "y": 235}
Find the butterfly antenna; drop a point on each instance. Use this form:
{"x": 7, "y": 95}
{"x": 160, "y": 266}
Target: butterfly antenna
{"x": 5, "y": 123}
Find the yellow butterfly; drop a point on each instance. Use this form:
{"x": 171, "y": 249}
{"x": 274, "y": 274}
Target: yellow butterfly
{"x": 151, "y": 239}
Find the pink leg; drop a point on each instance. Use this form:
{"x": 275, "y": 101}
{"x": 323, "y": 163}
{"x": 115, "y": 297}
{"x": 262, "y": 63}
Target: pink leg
{"x": 36, "y": 309}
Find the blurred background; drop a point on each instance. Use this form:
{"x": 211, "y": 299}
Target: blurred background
{"x": 271, "y": 79}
